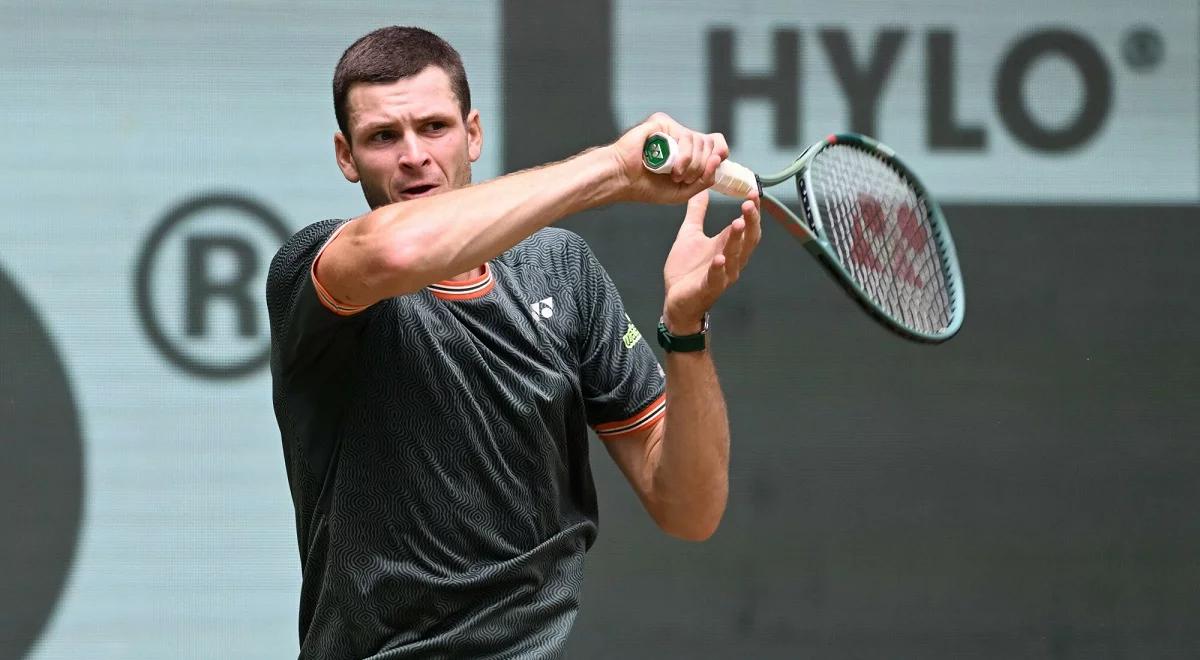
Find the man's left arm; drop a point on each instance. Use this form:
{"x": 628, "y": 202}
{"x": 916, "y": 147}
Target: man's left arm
{"x": 679, "y": 467}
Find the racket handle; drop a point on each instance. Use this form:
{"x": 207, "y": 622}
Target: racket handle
{"x": 733, "y": 179}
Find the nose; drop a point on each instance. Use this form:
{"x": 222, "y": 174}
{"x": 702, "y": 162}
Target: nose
{"x": 412, "y": 152}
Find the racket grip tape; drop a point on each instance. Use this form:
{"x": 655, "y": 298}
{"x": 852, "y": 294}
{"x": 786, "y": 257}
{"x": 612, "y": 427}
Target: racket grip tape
{"x": 733, "y": 179}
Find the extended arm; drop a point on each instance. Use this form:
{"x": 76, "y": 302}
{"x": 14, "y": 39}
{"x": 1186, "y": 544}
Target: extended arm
{"x": 399, "y": 248}
{"x": 680, "y": 467}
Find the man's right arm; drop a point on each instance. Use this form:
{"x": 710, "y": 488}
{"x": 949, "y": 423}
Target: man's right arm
{"x": 400, "y": 248}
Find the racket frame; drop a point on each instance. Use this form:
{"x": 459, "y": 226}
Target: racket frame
{"x": 809, "y": 229}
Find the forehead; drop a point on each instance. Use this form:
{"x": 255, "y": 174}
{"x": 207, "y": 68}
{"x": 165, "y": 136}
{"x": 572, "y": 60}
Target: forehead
{"x": 427, "y": 92}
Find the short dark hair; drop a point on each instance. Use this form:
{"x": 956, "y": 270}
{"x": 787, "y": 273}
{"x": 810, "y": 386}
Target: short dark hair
{"x": 390, "y": 54}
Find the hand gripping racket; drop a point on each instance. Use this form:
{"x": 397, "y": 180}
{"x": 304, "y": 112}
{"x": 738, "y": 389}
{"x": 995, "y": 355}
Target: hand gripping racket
{"x": 868, "y": 220}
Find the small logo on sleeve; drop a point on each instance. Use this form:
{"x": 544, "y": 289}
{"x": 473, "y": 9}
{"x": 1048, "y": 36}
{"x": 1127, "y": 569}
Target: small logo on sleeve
{"x": 632, "y": 334}
{"x": 542, "y": 309}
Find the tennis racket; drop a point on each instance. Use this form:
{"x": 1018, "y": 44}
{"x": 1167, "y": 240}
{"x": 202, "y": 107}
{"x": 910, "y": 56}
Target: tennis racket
{"x": 868, "y": 220}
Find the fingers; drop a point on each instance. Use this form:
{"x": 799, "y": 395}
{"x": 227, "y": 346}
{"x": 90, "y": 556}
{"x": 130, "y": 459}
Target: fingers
{"x": 720, "y": 147}
{"x": 701, "y": 146}
{"x": 692, "y": 158}
{"x": 752, "y": 213}
{"x": 718, "y": 279}
{"x": 699, "y": 159}
{"x": 732, "y": 250}
{"x": 699, "y": 270}
{"x": 749, "y": 234}
{"x": 699, "y": 154}
{"x": 683, "y": 157}
{"x": 710, "y": 169}
{"x": 697, "y": 208}
{"x": 741, "y": 237}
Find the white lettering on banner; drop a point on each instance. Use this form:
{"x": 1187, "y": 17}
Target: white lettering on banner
{"x": 1021, "y": 102}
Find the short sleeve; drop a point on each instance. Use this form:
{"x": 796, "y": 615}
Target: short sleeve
{"x": 308, "y": 328}
{"x": 622, "y": 381}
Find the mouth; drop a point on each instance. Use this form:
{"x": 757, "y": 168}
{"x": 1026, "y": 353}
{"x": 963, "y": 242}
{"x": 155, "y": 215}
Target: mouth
{"x": 421, "y": 190}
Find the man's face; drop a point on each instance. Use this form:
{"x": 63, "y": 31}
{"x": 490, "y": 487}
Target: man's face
{"x": 408, "y": 138}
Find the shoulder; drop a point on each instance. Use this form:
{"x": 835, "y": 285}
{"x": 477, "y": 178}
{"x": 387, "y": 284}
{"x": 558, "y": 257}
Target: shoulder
{"x": 554, "y": 238}
{"x": 298, "y": 252}
{"x": 551, "y": 247}
{"x": 305, "y": 242}
{"x": 289, "y": 268}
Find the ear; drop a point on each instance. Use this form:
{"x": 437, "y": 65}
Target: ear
{"x": 345, "y": 159}
{"x": 474, "y": 136}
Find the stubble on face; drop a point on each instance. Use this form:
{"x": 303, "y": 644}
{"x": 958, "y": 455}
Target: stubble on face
{"x": 375, "y": 195}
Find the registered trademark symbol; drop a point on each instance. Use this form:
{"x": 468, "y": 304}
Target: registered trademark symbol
{"x": 198, "y": 284}
{"x": 1143, "y": 48}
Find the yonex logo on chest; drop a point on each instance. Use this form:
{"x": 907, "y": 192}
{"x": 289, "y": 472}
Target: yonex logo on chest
{"x": 542, "y": 309}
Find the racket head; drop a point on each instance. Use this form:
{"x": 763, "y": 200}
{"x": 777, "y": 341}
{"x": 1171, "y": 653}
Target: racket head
{"x": 877, "y": 230}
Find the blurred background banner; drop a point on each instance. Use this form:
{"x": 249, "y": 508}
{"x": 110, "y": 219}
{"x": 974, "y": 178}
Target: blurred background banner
{"x": 1012, "y": 103}
{"x": 1027, "y": 490}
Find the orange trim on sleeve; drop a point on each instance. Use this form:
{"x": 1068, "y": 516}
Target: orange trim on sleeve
{"x": 644, "y": 419}
{"x": 327, "y": 299}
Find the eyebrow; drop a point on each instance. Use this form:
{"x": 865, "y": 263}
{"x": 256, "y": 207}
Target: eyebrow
{"x": 377, "y": 124}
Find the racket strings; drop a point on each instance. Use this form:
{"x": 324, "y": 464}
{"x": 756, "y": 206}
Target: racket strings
{"x": 879, "y": 226}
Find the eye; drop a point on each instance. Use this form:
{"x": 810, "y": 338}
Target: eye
{"x": 436, "y": 126}
{"x": 383, "y": 136}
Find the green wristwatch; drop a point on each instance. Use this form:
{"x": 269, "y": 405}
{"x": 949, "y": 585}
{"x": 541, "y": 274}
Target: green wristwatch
{"x": 682, "y": 343}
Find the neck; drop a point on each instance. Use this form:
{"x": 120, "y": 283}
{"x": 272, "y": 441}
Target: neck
{"x": 470, "y": 274}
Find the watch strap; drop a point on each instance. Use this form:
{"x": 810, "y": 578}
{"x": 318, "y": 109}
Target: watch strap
{"x": 683, "y": 343}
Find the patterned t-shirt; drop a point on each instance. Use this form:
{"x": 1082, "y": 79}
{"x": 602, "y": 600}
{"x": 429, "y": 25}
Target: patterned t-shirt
{"x": 437, "y": 450}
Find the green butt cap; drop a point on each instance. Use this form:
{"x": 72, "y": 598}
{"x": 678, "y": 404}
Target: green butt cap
{"x": 656, "y": 151}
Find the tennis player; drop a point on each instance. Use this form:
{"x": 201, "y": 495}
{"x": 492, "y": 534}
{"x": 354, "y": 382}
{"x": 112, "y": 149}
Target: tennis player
{"x": 437, "y": 362}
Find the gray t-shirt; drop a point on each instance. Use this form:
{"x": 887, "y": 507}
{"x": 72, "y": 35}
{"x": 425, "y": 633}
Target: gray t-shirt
{"x": 437, "y": 449}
